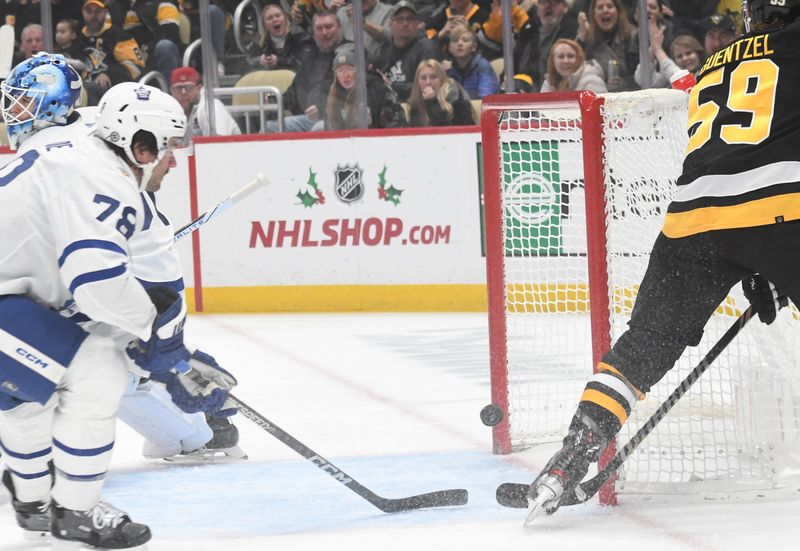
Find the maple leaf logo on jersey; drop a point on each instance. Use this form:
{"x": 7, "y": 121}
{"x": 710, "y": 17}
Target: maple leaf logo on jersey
{"x": 391, "y": 193}
{"x": 306, "y": 198}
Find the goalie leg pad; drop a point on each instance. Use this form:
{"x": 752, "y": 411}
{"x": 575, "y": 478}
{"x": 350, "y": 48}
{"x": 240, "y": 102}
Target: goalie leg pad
{"x": 149, "y": 410}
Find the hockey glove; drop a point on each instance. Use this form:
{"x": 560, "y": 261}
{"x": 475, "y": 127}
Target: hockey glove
{"x": 165, "y": 348}
{"x": 764, "y": 297}
{"x": 203, "y": 386}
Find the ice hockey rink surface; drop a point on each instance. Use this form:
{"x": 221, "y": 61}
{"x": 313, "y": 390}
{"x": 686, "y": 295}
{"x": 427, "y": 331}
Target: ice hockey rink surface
{"x": 393, "y": 400}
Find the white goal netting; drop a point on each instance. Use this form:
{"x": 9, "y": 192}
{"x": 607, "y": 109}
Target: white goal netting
{"x": 739, "y": 427}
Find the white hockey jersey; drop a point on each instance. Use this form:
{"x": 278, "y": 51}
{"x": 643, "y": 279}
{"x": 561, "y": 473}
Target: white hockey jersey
{"x": 154, "y": 260}
{"x": 70, "y": 208}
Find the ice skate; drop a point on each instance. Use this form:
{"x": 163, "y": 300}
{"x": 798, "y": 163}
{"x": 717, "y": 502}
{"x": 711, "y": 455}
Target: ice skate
{"x": 102, "y": 527}
{"x": 223, "y": 446}
{"x": 32, "y": 517}
{"x": 562, "y": 475}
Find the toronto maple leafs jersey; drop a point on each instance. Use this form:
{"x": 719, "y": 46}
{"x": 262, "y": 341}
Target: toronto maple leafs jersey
{"x": 742, "y": 167}
{"x": 69, "y": 211}
{"x": 154, "y": 260}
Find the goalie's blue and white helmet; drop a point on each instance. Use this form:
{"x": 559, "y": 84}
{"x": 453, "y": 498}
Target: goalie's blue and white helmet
{"x": 39, "y": 92}
{"x": 769, "y": 14}
{"x": 130, "y": 107}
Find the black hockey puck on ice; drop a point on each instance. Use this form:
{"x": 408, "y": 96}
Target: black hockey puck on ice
{"x": 491, "y": 415}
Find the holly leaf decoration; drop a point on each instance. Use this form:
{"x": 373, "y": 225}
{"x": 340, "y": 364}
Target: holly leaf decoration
{"x": 391, "y": 193}
{"x": 312, "y": 179}
{"x": 307, "y": 199}
{"x": 382, "y": 177}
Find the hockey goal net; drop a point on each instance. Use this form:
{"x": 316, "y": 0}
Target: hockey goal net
{"x": 576, "y": 186}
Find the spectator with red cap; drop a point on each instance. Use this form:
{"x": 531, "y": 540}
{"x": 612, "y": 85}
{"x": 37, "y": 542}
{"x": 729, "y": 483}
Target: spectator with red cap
{"x": 186, "y": 87}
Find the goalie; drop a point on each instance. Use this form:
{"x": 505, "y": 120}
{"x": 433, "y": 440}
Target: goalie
{"x": 736, "y": 217}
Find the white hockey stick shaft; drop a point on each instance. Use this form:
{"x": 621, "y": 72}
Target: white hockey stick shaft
{"x": 259, "y": 181}
{"x": 6, "y": 50}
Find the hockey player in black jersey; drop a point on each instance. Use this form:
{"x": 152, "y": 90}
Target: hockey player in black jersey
{"x": 736, "y": 217}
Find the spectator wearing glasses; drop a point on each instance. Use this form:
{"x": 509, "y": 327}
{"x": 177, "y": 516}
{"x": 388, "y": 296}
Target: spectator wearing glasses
{"x": 397, "y": 60}
{"x": 185, "y": 87}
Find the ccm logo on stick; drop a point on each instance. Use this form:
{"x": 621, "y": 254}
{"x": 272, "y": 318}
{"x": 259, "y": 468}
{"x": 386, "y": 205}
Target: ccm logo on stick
{"x": 325, "y": 466}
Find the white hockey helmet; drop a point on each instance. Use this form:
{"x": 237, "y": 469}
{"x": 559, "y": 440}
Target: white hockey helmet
{"x": 130, "y": 107}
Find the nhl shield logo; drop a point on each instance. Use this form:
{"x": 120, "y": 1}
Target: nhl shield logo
{"x": 349, "y": 186}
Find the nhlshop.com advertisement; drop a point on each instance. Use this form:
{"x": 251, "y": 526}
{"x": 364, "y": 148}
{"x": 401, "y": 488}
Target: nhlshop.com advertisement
{"x": 382, "y": 210}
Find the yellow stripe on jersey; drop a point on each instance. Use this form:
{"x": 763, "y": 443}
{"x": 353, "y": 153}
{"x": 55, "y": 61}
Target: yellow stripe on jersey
{"x": 131, "y": 20}
{"x": 127, "y": 53}
{"x": 761, "y": 212}
{"x": 605, "y": 402}
{"x": 167, "y": 13}
{"x": 603, "y": 366}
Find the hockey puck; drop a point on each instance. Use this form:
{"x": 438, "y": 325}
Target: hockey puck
{"x": 491, "y": 415}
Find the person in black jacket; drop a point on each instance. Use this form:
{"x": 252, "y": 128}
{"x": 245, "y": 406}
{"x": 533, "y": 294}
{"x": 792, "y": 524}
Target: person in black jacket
{"x": 437, "y": 100}
{"x": 306, "y": 98}
{"x": 282, "y": 46}
{"x": 384, "y": 109}
{"x": 156, "y": 28}
{"x": 111, "y": 55}
{"x": 397, "y": 60}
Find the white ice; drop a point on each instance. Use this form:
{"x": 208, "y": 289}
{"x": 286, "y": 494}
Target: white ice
{"x": 393, "y": 400}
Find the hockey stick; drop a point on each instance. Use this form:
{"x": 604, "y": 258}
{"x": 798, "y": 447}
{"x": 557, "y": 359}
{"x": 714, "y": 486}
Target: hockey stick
{"x": 222, "y": 206}
{"x": 510, "y": 494}
{"x": 6, "y": 50}
{"x": 443, "y": 498}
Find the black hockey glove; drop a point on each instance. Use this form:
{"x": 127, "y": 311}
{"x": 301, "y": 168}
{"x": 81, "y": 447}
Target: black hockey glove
{"x": 764, "y": 297}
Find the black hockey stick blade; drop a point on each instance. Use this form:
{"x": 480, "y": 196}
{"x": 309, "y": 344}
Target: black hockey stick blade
{"x": 514, "y": 495}
{"x": 442, "y": 498}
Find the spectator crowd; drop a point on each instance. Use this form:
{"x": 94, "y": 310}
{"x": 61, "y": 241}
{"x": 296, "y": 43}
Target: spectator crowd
{"x": 428, "y": 61}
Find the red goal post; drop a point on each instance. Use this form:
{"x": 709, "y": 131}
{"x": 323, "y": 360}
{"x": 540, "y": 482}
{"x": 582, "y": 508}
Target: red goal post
{"x": 591, "y": 130}
{"x": 575, "y": 188}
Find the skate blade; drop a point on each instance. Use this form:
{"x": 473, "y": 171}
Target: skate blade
{"x": 69, "y": 545}
{"x": 225, "y": 455}
{"x": 36, "y": 535}
{"x": 536, "y": 505}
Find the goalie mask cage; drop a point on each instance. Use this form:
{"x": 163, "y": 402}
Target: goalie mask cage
{"x": 576, "y": 187}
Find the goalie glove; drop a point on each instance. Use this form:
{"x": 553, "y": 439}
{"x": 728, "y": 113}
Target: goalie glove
{"x": 165, "y": 348}
{"x": 764, "y": 297}
{"x": 200, "y": 385}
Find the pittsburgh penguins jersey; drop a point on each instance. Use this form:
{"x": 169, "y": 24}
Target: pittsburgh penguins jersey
{"x": 148, "y": 21}
{"x": 69, "y": 213}
{"x": 113, "y": 52}
{"x": 742, "y": 166}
